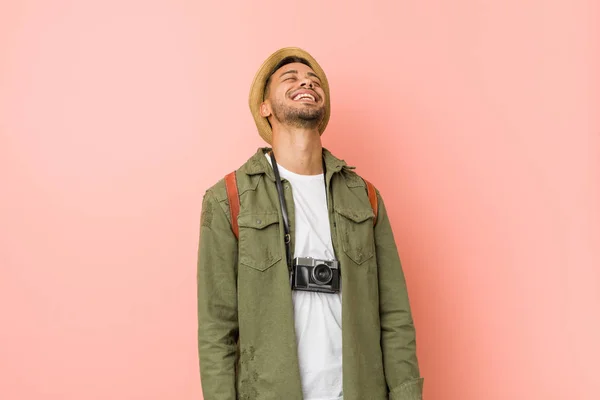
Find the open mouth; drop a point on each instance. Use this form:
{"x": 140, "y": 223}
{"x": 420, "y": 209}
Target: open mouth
{"x": 304, "y": 97}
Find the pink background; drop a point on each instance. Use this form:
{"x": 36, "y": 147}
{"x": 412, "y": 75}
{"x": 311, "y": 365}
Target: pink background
{"x": 477, "y": 120}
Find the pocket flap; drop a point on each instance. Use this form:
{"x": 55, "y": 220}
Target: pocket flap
{"x": 258, "y": 220}
{"x": 356, "y": 215}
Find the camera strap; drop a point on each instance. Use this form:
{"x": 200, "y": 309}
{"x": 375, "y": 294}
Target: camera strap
{"x": 284, "y": 213}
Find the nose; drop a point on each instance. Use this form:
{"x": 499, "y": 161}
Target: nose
{"x": 307, "y": 82}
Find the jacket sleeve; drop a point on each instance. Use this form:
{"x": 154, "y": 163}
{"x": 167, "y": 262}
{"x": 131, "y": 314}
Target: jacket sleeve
{"x": 217, "y": 302}
{"x": 397, "y": 329}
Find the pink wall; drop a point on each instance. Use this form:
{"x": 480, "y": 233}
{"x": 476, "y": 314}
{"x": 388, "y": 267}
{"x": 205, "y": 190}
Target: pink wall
{"x": 478, "y": 121}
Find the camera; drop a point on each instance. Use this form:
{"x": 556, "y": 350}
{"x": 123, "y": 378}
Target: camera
{"x": 316, "y": 275}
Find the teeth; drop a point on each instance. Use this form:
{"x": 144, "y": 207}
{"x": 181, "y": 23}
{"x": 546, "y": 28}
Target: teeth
{"x": 304, "y": 96}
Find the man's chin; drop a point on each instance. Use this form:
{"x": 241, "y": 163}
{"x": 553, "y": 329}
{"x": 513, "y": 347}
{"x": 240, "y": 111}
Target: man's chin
{"x": 306, "y": 117}
{"x": 312, "y": 115}
{"x": 307, "y": 123}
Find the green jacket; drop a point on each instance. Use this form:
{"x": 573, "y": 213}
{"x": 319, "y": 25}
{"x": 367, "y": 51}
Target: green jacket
{"x": 246, "y": 334}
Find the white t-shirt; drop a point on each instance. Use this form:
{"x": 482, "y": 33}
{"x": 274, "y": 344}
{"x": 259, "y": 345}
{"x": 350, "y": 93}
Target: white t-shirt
{"x": 318, "y": 316}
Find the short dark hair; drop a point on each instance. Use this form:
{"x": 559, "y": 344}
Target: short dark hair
{"x": 287, "y": 60}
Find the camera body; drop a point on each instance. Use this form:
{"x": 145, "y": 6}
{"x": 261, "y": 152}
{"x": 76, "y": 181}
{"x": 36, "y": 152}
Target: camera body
{"x": 316, "y": 275}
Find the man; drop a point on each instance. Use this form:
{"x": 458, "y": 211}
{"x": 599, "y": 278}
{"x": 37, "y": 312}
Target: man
{"x": 301, "y": 294}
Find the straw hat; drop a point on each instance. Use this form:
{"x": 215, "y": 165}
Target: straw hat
{"x": 257, "y": 90}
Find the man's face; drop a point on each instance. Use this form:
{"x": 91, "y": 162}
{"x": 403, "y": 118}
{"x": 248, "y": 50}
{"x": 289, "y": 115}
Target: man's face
{"x": 295, "y": 97}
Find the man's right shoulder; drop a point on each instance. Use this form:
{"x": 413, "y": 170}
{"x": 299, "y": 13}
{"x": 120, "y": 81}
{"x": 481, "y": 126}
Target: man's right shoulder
{"x": 219, "y": 190}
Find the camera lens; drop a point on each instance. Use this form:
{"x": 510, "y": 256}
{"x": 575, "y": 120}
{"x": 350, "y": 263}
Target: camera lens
{"x": 322, "y": 274}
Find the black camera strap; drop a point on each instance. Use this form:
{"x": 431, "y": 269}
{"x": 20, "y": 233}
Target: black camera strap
{"x": 284, "y": 213}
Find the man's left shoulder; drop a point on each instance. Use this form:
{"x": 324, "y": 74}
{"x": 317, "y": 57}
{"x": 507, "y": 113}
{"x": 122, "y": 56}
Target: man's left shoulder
{"x": 354, "y": 179}
{"x": 348, "y": 172}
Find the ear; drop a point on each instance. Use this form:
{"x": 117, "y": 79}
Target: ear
{"x": 265, "y": 109}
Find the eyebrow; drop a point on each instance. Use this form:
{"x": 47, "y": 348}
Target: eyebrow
{"x": 293, "y": 71}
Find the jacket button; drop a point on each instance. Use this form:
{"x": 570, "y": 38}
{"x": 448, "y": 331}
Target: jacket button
{"x": 258, "y": 222}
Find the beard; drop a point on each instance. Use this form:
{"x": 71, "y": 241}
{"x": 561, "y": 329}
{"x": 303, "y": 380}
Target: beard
{"x": 301, "y": 117}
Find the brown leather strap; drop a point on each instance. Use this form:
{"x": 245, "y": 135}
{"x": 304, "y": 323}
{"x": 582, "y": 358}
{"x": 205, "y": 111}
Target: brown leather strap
{"x": 372, "y": 198}
{"x": 234, "y": 202}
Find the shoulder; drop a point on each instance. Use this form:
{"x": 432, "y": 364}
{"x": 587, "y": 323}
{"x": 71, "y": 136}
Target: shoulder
{"x": 245, "y": 181}
{"x": 355, "y": 180}
{"x": 361, "y": 186}
{"x": 217, "y": 191}
{"x": 243, "y": 176}
{"x": 352, "y": 178}
{"x": 348, "y": 172}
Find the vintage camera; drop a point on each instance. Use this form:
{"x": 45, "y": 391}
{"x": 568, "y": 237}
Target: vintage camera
{"x": 314, "y": 275}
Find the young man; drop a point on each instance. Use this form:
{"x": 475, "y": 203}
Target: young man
{"x": 301, "y": 294}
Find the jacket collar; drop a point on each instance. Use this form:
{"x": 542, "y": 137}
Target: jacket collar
{"x": 258, "y": 164}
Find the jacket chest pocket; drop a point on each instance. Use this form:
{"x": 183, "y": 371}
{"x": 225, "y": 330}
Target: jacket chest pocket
{"x": 259, "y": 240}
{"x": 355, "y": 230}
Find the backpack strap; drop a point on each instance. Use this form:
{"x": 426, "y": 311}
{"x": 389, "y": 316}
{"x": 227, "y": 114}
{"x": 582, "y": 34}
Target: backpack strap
{"x": 234, "y": 202}
{"x": 372, "y": 198}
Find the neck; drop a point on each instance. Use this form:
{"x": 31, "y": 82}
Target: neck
{"x": 298, "y": 150}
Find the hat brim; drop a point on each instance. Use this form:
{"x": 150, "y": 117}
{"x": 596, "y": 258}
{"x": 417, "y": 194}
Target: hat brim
{"x": 257, "y": 89}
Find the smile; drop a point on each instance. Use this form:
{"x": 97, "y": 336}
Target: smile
{"x": 304, "y": 96}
